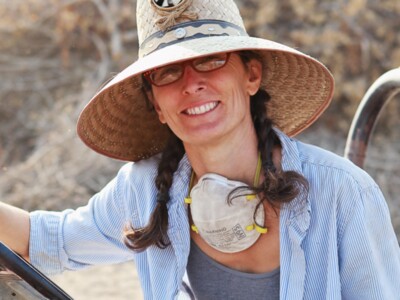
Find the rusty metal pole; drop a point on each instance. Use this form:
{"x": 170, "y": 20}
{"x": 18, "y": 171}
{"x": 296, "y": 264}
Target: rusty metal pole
{"x": 380, "y": 92}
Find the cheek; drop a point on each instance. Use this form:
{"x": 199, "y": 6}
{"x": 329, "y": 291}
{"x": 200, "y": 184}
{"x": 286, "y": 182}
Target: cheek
{"x": 158, "y": 106}
{"x": 237, "y": 77}
{"x": 165, "y": 103}
{"x": 164, "y": 96}
{"x": 239, "y": 86}
{"x": 242, "y": 96}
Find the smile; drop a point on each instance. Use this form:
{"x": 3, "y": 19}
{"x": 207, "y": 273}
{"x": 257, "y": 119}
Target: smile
{"x": 198, "y": 110}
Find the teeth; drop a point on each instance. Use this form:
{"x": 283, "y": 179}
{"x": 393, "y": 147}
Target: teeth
{"x": 202, "y": 109}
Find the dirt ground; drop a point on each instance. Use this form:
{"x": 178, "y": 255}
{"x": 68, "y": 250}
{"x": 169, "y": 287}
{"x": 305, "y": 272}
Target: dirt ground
{"x": 117, "y": 282}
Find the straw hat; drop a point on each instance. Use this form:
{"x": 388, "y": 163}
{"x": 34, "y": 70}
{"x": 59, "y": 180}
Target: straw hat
{"x": 118, "y": 122}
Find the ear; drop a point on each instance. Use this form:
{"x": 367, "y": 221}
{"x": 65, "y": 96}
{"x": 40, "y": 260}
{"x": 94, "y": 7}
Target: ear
{"x": 151, "y": 98}
{"x": 254, "y": 68}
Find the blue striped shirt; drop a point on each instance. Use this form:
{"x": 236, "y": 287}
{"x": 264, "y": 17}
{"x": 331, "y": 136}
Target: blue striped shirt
{"x": 339, "y": 243}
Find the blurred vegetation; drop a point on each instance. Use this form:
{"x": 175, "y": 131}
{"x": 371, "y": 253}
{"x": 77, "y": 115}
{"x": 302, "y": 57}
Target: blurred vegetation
{"x": 358, "y": 40}
{"x": 54, "y": 55}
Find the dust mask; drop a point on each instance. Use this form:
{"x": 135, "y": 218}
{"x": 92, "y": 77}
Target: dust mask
{"x": 228, "y": 227}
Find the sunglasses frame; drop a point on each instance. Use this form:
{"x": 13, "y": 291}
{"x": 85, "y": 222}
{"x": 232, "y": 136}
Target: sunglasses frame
{"x": 190, "y": 62}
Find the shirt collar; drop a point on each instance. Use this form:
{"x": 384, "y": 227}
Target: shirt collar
{"x": 290, "y": 162}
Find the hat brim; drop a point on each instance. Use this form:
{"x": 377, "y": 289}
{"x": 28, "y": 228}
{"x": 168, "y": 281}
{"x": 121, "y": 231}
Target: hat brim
{"x": 118, "y": 123}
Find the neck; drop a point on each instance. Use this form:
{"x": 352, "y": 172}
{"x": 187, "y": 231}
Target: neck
{"x": 237, "y": 162}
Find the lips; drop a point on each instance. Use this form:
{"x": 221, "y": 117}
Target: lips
{"x": 202, "y": 109}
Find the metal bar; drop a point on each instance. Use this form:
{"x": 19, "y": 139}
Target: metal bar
{"x": 379, "y": 94}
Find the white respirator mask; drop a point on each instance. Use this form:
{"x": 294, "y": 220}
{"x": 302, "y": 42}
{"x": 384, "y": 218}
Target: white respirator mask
{"x": 227, "y": 227}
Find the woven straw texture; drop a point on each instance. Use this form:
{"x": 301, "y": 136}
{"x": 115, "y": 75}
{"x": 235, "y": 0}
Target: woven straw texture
{"x": 118, "y": 122}
{"x": 204, "y": 9}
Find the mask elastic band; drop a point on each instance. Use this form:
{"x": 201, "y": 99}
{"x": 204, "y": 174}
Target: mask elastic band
{"x": 194, "y": 228}
{"x": 262, "y": 230}
{"x": 258, "y": 228}
{"x": 258, "y": 171}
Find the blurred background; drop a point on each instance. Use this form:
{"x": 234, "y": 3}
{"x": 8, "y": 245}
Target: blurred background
{"x": 55, "y": 54}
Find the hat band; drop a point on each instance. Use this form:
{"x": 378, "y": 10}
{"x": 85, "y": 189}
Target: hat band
{"x": 187, "y": 31}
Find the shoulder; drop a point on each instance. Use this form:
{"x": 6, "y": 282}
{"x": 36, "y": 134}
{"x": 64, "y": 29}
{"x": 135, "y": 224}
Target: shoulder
{"x": 320, "y": 165}
{"x": 337, "y": 185}
{"x": 323, "y": 164}
{"x": 137, "y": 180}
{"x": 136, "y": 191}
{"x": 333, "y": 180}
{"x": 140, "y": 171}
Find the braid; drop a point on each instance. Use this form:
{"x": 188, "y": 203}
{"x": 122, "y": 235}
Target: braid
{"x": 155, "y": 232}
{"x": 279, "y": 186}
{"x": 263, "y": 126}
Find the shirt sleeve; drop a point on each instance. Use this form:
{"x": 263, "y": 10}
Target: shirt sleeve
{"x": 89, "y": 235}
{"x": 369, "y": 252}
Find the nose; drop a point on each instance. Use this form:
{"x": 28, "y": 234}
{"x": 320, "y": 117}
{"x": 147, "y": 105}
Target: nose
{"x": 193, "y": 81}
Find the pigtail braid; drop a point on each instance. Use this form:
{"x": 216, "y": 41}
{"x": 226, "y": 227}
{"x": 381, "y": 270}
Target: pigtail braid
{"x": 279, "y": 186}
{"x": 155, "y": 232}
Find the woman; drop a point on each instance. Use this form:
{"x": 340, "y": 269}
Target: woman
{"x": 220, "y": 201}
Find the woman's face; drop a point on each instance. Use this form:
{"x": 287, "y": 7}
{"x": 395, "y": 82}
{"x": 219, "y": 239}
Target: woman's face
{"x": 203, "y": 107}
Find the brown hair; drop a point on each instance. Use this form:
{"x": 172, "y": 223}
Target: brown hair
{"x": 278, "y": 186}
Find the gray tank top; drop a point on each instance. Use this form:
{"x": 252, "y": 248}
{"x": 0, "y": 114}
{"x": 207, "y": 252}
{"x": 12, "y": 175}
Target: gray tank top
{"x": 211, "y": 280}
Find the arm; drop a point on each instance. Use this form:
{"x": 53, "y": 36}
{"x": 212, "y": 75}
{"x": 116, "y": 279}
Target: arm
{"x": 369, "y": 252}
{"x": 89, "y": 235}
{"x": 14, "y": 229}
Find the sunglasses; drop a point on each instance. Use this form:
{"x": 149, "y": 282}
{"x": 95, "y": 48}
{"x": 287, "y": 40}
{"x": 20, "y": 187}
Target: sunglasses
{"x": 171, "y": 73}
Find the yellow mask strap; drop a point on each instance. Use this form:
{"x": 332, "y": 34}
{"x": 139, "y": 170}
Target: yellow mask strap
{"x": 258, "y": 228}
{"x": 256, "y": 177}
{"x": 256, "y": 181}
{"x": 258, "y": 171}
{"x": 194, "y": 228}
